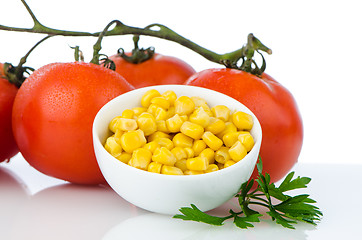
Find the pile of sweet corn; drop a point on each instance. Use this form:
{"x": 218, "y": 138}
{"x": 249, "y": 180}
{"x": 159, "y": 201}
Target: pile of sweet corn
{"x": 179, "y": 135}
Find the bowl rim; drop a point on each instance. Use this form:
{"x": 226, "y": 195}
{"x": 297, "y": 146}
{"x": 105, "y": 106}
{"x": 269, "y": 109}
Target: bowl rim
{"x": 97, "y": 141}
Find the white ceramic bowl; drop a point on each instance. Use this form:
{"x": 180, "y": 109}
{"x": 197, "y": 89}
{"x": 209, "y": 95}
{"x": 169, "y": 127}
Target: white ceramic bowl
{"x": 168, "y": 193}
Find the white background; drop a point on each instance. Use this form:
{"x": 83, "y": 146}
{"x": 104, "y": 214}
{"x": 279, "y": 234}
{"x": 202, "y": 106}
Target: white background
{"x": 316, "y": 50}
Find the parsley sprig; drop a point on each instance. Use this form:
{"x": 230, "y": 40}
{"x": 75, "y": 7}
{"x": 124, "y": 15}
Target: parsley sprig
{"x": 283, "y": 209}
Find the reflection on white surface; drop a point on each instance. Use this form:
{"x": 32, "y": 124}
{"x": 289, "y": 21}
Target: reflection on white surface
{"x": 34, "y": 206}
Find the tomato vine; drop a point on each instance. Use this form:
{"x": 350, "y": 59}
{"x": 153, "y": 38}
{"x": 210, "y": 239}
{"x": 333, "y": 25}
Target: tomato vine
{"x": 245, "y": 54}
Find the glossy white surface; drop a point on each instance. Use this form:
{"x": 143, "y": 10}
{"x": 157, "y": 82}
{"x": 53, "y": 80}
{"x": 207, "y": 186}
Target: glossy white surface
{"x": 34, "y": 206}
{"x": 164, "y": 193}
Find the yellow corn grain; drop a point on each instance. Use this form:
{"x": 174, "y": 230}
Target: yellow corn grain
{"x": 138, "y": 110}
{"x": 113, "y": 124}
{"x": 164, "y": 156}
{"x": 207, "y": 109}
{"x": 126, "y": 124}
{"x": 179, "y": 153}
{"x": 171, "y": 112}
{"x": 148, "y": 96}
{"x": 242, "y": 120}
{"x": 112, "y": 146}
{"x": 221, "y": 112}
{"x": 181, "y": 164}
{"x": 229, "y": 127}
{"x": 212, "y": 141}
{"x": 198, "y": 146}
{"x": 247, "y": 140}
{"x": 161, "y": 126}
{"x": 124, "y": 157}
{"x": 198, "y": 101}
{"x": 164, "y": 142}
{"x": 174, "y": 123}
{"x": 152, "y": 108}
{"x": 190, "y": 152}
{"x": 184, "y": 105}
{"x": 128, "y": 113}
{"x": 230, "y": 138}
{"x": 170, "y": 96}
{"x": 237, "y": 151}
{"x": 209, "y": 154}
{"x": 147, "y": 123}
{"x": 171, "y": 170}
{"x": 160, "y": 114}
{"x": 132, "y": 140}
{"x": 192, "y": 130}
{"x": 211, "y": 168}
{"x": 154, "y": 167}
{"x": 199, "y": 116}
{"x": 117, "y": 136}
{"x": 140, "y": 159}
{"x": 215, "y": 125}
{"x": 158, "y": 134}
{"x": 197, "y": 164}
{"x": 161, "y": 102}
{"x": 229, "y": 163}
{"x": 222, "y": 155}
{"x": 181, "y": 140}
{"x": 151, "y": 146}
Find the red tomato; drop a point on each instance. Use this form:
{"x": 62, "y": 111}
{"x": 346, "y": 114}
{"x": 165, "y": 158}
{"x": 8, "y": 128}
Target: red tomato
{"x": 53, "y": 115}
{"x": 273, "y": 105}
{"x": 8, "y": 91}
{"x": 158, "y": 70}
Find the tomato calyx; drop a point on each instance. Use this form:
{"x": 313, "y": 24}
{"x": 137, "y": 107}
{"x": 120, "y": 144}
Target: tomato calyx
{"x": 16, "y": 75}
{"x": 138, "y": 55}
{"x": 248, "y": 63}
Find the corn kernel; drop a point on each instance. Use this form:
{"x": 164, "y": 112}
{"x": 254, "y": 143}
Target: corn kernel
{"x": 181, "y": 164}
{"x": 141, "y": 158}
{"x": 230, "y": 138}
{"x": 212, "y": 141}
{"x": 174, "y": 123}
{"x": 128, "y": 113}
{"x": 179, "y": 153}
{"x": 207, "y": 109}
{"x": 198, "y": 101}
{"x": 171, "y": 170}
{"x": 184, "y": 105}
{"x": 117, "y": 136}
{"x": 222, "y": 155}
{"x": 199, "y": 116}
{"x": 138, "y": 110}
{"x": 247, "y": 140}
{"x": 221, "y": 112}
{"x": 112, "y": 146}
{"x": 215, "y": 126}
{"x": 209, "y": 154}
{"x": 229, "y": 163}
{"x": 242, "y": 121}
{"x": 124, "y": 157}
{"x": 164, "y": 156}
{"x": 113, "y": 124}
{"x": 164, "y": 142}
{"x": 152, "y": 109}
{"x": 160, "y": 114}
{"x": 157, "y": 134}
{"x": 161, "y": 126}
{"x": 161, "y": 101}
{"x": 181, "y": 140}
{"x": 198, "y": 146}
{"x": 147, "y": 123}
{"x": 184, "y": 117}
{"x": 132, "y": 140}
{"x": 212, "y": 168}
{"x": 197, "y": 164}
{"x": 147, "y": 97}
{"x": 229, "y": 127}
{"x": 171, "y": 112}
{"x": 192, "y": 130}
{"x": 170, "y": 96}
{"x": 126, "y": 124}
{"x": 190, "y": 152}
{"x": 220, "y": 166}
{"x": 193, "y": 172}
{"x": 154, "y": 167}
{"x": 237, "y": 151}
{"x": 151, "y": 146}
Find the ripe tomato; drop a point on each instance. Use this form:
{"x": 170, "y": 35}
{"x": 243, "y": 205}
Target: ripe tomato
{"x": 273, "y": 105}
{"x": 8, "y": 147}
{"x": 53, "y": 115}
{"x": 157, "y": 70}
